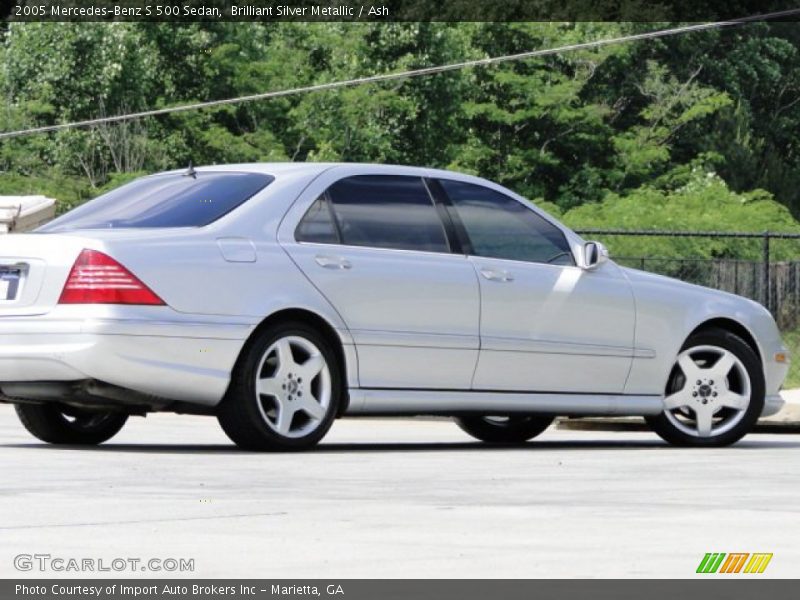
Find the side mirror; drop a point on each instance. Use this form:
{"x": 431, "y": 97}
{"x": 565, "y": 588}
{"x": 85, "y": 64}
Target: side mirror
{"x": 594, "y": 255}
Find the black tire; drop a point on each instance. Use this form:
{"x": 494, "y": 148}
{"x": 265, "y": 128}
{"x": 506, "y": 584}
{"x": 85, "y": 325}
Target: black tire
{"x": 239, "y": 414}
{"x": 508, "y": 430}
{"x": 731, "y": 342}
{"x": 65, "y": 425}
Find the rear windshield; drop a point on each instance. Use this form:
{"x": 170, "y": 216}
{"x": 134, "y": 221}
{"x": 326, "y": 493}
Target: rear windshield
{"x": 174, "y": 200}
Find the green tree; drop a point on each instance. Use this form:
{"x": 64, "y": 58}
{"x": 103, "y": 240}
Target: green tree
{"x": 703, "y": 203}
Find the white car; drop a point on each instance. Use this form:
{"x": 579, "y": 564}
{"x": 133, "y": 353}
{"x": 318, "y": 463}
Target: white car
{"x": 279, "y": 297}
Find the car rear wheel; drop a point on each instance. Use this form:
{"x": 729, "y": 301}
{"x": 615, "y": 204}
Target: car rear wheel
{"x": 67, "y": 425}
{"x": 505, "y": 430}
{"x": 715, "y": 392}
{"x": 285, "y": 392}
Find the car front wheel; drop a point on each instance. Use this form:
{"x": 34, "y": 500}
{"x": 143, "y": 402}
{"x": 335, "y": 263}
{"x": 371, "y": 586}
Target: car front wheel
{"x": 285, "y": 392}
{"x": 66, "y": 425}
{"x": 505, "y": 430}
{"x": 714, "y": 394}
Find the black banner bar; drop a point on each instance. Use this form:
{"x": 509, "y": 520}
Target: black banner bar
{"x": 711, "y": 587}
{"x": 387, "y": 10}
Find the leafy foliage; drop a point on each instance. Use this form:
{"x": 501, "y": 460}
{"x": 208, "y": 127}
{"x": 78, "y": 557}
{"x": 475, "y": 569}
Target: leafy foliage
{"x": 617, "y": 136}
{"x": 703, "y": 203}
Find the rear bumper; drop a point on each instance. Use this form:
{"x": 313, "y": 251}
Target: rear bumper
{"x": 166, "y": 354}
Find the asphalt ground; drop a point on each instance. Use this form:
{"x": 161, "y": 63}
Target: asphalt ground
{"x": 398, "y": 498}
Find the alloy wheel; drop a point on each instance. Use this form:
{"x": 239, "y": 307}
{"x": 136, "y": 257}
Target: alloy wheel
{"x": 709, "y": 391}
{"x": 293, "y": 387}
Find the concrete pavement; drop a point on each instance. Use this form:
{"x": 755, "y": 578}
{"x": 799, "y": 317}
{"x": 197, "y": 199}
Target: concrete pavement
{"x": 399, "y": 498}
{"x": 790, "y": 413}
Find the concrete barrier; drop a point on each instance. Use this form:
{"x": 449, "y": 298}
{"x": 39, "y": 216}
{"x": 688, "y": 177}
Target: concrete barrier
{"x": 24, "y": 213}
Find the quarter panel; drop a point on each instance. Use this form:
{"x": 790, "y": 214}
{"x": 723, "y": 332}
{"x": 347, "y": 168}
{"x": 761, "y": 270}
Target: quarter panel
{"x": 668, "y": 311}
{"x": 197, "y": 280}
{"x": 199, "y": 284}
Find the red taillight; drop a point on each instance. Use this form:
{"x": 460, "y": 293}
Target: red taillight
{"x": 96, "y": 278}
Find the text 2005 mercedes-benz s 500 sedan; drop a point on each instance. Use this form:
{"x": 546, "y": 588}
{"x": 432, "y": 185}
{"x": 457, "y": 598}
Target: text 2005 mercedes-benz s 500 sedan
{"x": 279, "y": 297}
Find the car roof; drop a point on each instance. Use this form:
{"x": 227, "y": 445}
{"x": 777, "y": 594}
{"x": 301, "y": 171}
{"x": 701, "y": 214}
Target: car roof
{"x": 289, "y": 169}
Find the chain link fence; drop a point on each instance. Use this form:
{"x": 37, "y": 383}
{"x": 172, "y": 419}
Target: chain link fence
{"x": 762, "y": 266}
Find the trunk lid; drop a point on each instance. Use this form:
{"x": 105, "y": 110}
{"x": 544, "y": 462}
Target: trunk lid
{"x": 33, "y": 270}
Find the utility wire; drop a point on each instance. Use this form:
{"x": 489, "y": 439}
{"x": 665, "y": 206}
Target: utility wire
{"x": 405, "y": 74}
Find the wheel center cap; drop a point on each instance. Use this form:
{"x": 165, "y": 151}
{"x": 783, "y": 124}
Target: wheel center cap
{"x": 704, "y": 390}
{"x": 291, "y": 386}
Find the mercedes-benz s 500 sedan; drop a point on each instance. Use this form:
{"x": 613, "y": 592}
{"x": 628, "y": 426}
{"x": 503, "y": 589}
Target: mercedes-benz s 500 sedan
{"x": 279, "y": 297}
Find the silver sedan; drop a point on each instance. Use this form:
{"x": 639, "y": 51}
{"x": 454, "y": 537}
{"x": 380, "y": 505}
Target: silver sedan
{"x": 279, "y": 297}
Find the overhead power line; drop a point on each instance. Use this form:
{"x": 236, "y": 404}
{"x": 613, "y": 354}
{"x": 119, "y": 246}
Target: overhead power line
{"x": 404, "y": 74}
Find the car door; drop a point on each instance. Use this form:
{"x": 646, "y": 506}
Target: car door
{"x": 546, "y": 324}
{"x": 376, "y": 247}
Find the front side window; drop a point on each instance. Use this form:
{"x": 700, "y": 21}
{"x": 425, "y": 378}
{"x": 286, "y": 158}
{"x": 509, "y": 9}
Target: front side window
{"x": 500, "y": 227}
{"x": 172, "y": 200}
{"x": 387, "y": 211}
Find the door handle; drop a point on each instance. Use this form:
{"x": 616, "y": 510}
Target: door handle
{"x": 332, "y": 262}
{"x": 497, "y": 275}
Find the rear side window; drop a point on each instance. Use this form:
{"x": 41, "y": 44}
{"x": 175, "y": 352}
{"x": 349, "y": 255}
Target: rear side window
{"x": 387, "y": 211}
{"x": 317, "y": 225}
{"x": 172, "y": 200}
{"x": 500, "y": 227}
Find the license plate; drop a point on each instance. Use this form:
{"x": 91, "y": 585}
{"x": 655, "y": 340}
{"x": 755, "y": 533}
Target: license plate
{"x": 9, "y": 283}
